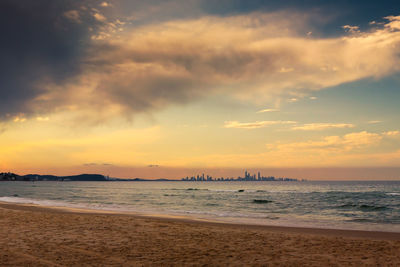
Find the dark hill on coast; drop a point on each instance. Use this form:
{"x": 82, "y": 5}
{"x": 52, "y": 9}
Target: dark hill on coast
{"x": 8, "y": 176}
{"x": 80, "y": 177}
{"x": 37, "y": 177}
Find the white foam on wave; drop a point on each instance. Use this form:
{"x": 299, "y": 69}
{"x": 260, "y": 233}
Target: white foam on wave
{"x": 21, "y": 200}
{"x": 393, "y": 194}
{"x": 65, "y": 204}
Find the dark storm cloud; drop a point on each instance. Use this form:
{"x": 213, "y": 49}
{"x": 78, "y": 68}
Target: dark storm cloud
{"x": 39, "y": 41}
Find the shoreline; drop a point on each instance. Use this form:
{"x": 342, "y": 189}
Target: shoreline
{"x": 364, "y": 234}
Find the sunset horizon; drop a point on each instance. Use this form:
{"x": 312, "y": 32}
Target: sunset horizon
{"x": 113, "y": 87}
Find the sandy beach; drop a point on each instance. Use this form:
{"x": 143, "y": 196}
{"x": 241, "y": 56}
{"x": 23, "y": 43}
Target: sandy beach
{"x": 37, "y": 236}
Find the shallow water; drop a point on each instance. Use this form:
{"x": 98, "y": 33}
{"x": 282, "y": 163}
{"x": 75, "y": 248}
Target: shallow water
{"x": 337, "y": 205}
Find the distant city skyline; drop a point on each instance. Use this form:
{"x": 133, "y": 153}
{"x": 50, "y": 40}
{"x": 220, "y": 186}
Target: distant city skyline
{"x": 247, "y": 177}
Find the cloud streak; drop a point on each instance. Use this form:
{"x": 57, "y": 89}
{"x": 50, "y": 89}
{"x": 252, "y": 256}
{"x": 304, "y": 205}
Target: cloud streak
{"x": 254, "y": 125}
{"x": 344, "y": 143}
{"x": 322, "y": 126}
{"x": 392, "y": 133}
{"x": 268, "y": 110}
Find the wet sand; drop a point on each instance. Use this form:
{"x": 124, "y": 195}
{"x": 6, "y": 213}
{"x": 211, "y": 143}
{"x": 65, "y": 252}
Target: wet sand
{"x": 38, "y": 236}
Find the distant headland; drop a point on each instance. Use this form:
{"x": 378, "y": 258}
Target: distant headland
{"x": 8, "y": 176}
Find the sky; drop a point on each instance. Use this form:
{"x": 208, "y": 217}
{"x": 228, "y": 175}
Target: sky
{"x": 168, "y": 89}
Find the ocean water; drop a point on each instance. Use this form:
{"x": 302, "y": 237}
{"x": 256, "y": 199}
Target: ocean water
{"x": 337, "y": 205}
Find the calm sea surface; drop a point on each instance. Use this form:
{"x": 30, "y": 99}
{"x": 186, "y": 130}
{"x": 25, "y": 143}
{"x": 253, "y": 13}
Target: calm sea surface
{"x": 339, "y": 205}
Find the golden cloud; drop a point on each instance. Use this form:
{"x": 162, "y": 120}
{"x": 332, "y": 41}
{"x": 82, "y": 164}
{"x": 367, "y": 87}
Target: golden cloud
{"x": 347, "y": 142}
{"x": 253, "y": 125}
{"x": 268, "y": 110}
{"x": 392, "y": 133}
{"x": 322, "y": 126}
{"x": 256, "y": 57}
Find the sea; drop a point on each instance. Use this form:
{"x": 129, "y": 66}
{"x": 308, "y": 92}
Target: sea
{"x": 355, "y": 205}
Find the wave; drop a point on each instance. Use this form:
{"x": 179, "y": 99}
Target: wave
{"x": 186, "y": 189}
{"x": 361, "y": 220}
{"x": 195, "y": 189}
{"x": 261, "y": 201}
{"x": 347, "y": 206}
{"x": 21, "y": 200}
{"x": 272, "y": 217}
{"x": 65, "y": 204}
{"x": 363, "y": 207}
{"x": 372, "y": 208}
{"x": 222, "y": 190}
